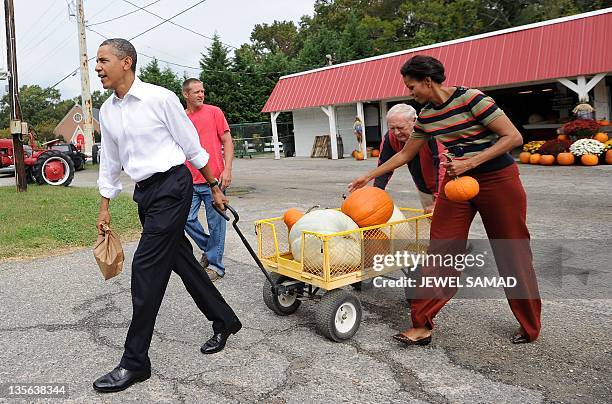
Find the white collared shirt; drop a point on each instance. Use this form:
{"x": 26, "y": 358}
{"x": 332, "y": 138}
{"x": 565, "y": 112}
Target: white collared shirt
{"x": 146, "y": 132}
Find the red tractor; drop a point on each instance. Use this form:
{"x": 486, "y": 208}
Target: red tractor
{"x": 45, "y": 166}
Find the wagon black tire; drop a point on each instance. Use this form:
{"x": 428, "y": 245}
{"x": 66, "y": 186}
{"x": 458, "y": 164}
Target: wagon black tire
{"x": 283, "y": 305}
{"x": 53, "y": 155}
{"x": 338, "y": 315}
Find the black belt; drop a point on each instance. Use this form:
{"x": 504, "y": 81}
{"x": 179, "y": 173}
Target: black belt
{"x": 459, "y": 151}
{"x": 157, "y": 177}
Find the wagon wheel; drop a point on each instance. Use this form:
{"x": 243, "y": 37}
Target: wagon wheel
{"x": 54, "y": 168}
{"x": 338, "y": 315}
{"x": 284, "y": 304}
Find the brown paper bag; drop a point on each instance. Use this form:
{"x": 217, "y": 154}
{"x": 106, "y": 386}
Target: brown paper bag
{"x": 109, "y": 253}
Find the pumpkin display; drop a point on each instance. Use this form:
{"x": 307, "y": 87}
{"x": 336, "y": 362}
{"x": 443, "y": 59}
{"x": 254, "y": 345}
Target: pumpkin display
{"x": 524, "y": 157}
{"x": 461, "y": 189}
{"x": 291, "y": 216}
{"x": 358, "y": 155}
{"x": 375, "y": 153}
{"x": 565, "y": 159}
{"x": 609, "y": 157}
{"x": 589, "y": 159}
{"x": 547, "y": 160}
{"x": 602, "y": 137}
{"x": 535, "y": 158}
{"x": 368, "y": 206}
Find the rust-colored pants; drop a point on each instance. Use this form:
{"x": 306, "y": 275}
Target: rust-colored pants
{"x": 502, "y": 205}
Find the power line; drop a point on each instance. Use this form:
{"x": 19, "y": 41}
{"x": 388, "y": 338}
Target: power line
{"x": 179, "y": 25}
{"x": 165, "y": 20}
{"x": 134, "y": 37}
{"x": 124, "y": 15}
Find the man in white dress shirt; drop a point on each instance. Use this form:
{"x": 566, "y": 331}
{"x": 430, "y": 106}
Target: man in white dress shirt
{"x": 145, "y": 130}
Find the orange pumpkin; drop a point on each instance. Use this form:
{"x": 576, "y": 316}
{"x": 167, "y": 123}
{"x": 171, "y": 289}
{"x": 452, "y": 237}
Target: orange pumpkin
{"x": 589, "y": 160}
{"x": 604, "y": 122}
{"x": 461, "y": 189}
{"x": 524, "y": 157}
{"x": 358, "y": 155}
{"x": 291, "y": 216}
{"x": 562, "y": 137}
{"x": 535, "y": 158}
{"x": 353, "y": 153}
{"x": 602, "y": 137}
{"x": 565, "y": 159}
{"x": 368, "y": 206}
{"x": 547, "y": 160}
{"x": 609, "y": 157}
{"x": 375, "y": 153}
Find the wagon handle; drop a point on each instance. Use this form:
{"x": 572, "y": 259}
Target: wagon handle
{"x": 275, "y": 288}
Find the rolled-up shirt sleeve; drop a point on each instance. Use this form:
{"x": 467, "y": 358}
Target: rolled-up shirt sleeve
{"x": 184, "y": 133}
{"x": 109, "y": 183}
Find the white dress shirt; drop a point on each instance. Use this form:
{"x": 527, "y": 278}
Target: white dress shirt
{"x": 146, "y": 132}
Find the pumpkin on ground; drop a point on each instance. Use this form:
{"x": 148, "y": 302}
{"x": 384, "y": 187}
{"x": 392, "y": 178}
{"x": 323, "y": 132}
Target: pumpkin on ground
{"x": 565, "y": 159}
{"x": 609, "y": 157}
{"x": 291, "y": 216}
{"x": 535, "y": 158}
{"x": 368, "y": 206}
{"x": 353, "y": 153}
{"x": 461, "y": 189}
{"x": 358, "y": 155}
{"x": 524, "y": 157}
{"x": 375, "y": 153}
{"x": 602, "y": 137}
{"x": 547, "y": 160}
{"x": 589, "y": 159}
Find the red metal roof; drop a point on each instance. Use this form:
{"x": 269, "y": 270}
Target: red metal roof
{"x": 565, "y": 47}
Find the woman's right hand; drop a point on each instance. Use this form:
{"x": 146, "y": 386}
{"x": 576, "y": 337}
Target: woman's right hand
{"x": 359, "y": 182}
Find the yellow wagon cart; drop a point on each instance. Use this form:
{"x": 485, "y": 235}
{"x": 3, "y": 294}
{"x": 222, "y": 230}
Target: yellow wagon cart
{"x": 329, "y": 262}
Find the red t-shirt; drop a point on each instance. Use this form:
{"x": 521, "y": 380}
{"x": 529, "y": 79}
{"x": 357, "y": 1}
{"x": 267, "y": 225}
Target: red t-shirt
{"x": 211, "y": 125}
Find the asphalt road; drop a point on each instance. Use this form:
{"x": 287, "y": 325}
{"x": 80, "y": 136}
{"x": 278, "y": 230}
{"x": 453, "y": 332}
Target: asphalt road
{"x": 62, "y": 323}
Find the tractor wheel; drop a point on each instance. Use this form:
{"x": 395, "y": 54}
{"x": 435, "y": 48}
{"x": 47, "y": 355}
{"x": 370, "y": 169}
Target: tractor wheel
{"x": 54, "y": 168}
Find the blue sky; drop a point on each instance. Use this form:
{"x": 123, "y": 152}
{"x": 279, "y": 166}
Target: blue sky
{"x": 47, "y": 41}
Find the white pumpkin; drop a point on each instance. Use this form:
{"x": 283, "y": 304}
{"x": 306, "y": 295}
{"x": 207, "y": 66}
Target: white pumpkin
{"x": 395, "y": 217}
{"x": 325, "y": 221}
{"x": 344, "y": 252}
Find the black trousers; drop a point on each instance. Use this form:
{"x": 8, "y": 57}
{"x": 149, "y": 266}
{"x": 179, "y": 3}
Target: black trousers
{"x": 163, "y": 207}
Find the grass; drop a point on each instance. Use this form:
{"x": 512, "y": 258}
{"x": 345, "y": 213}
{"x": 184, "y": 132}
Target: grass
{"x": 47, "y": 220}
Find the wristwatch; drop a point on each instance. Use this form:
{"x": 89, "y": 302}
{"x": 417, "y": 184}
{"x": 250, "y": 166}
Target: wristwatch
{"x": 214, "y": 183}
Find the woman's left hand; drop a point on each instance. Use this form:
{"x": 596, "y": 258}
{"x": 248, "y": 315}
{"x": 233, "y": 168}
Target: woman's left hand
{"x": 457, "y": 167}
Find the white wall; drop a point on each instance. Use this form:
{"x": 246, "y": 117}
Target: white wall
{"x": 308, "y": 123}
{"x": 311, "y": 122}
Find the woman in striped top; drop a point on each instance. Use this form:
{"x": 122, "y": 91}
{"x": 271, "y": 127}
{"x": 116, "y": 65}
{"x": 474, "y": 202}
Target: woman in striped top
{"x": 479, "y": 135}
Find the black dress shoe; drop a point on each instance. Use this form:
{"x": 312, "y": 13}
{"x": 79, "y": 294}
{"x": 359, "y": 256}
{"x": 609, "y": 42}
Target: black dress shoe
{"x": 120, "y": 379}
{"x": 404, "y": 339}
{"x": 217, "y": 342}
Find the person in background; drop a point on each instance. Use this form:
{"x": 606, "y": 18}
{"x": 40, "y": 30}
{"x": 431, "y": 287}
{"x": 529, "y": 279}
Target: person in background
{"x": 215, "y": 137}
{"x": 358, "y": 131}
{"x": 427, "y": 172}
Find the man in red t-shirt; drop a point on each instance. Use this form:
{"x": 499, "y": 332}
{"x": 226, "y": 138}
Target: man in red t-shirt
{"x": 216, "y": 139}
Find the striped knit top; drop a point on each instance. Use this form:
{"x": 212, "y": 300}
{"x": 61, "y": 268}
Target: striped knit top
{"x": 460, "y": 124}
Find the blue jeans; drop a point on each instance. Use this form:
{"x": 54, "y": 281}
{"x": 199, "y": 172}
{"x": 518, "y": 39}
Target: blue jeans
{"x": 212, "y": 244}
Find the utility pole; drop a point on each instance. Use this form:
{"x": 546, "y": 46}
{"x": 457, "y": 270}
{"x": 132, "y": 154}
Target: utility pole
{"x": 18, "y": 128}
{"x": 85, "y": 93}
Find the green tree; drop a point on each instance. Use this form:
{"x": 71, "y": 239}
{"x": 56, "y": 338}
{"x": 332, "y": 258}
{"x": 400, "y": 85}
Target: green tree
{"x": 218, "y": 81}
{"x": 280, "y": 36}
{"x": 151, "y": 73}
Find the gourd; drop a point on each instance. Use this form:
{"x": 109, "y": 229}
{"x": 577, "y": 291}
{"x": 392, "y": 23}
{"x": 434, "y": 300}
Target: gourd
{"x": 565, "y": 159}
{"x": 368, "y": 206}
{"x": 461, "y": 189}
